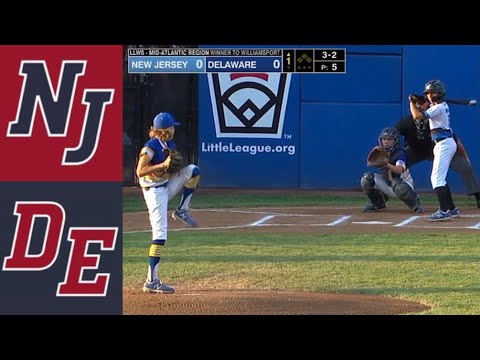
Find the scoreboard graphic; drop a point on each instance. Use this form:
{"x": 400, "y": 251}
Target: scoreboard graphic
{"x": 198, "y": 61}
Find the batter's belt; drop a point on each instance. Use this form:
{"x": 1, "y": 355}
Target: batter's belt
{"x": 436, "y": 141}
{"x": 444, "y": 134}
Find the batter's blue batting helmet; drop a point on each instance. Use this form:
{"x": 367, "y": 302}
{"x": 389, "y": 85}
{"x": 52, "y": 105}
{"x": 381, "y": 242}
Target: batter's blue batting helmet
{"x": 435, "y": 86}
{"x": 164, "y": 120}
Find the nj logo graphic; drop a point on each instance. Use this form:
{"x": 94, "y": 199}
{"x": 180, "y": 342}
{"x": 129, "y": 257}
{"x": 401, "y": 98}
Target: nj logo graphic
{"x": 56, "y": 107}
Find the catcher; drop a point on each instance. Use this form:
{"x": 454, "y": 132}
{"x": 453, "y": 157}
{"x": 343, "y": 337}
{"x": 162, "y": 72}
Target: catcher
{"x": 162, "y": 175}
{"x": 394, "y": 180}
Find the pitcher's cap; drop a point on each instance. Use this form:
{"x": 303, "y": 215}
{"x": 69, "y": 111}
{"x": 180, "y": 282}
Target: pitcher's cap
{"x": 164, "y": 120}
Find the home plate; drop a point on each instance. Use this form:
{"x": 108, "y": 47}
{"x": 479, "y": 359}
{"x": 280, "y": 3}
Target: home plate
{"x": 373, "y": 222}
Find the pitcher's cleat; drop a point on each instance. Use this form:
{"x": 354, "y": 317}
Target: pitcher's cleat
{"x": 157, "y": 287}
{"x": 184, "y": 215}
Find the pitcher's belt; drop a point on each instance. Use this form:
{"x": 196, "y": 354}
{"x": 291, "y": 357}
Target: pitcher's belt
{"x": 156, "y": 186}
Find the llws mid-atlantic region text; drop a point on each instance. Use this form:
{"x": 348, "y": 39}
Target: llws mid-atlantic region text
{"x": 197, "y": 61}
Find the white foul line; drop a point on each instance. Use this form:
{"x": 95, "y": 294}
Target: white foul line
{"x": 339, "y": 220}
{"x": 191, "y": 229}
{"x": 136, "y": 231}
{"x": 475, "y": 226}
{"x": 262, "y": 220}
{"x": 373, "y": 222}
{"x": 442, "y": 227}
{"x": 407, "y": 221}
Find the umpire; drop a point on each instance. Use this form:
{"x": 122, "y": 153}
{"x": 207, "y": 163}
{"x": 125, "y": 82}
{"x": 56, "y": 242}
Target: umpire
{"x": 418, "y": 147}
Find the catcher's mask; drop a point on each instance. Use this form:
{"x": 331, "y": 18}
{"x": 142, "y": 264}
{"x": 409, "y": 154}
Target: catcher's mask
{"x": 389, "y": 133}
{"x": 437, "y": 87}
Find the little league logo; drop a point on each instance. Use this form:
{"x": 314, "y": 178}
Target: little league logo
{"x": 249, "y": 105}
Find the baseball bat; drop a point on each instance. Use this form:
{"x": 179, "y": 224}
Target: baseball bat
{"x": 468, "y": 102}
{"x": 471, "y": 102}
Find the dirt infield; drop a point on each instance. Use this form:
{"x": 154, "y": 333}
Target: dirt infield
{"x": 344, "y": 220}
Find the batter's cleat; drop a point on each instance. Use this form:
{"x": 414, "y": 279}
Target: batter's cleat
{"x": 440, "y": 215}
{"x": 455, "y": 213}
{"x": 184, "y": 215}
{"x": 157, "y": 287}
{"x": 370, "y": 207}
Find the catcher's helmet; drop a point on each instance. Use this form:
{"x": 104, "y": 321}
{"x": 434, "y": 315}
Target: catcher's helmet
{"x": 389, "y": 133}
{"x": 164, "y": 120}
{"x": 435, "y": 86}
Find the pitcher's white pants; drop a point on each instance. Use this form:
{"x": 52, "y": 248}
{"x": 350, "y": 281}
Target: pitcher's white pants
{"x": 157, "y": 201}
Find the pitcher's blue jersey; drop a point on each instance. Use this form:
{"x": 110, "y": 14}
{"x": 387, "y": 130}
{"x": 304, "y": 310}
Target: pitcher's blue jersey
{"x": 157, "y": 147}
{"x": 154, "y": 149}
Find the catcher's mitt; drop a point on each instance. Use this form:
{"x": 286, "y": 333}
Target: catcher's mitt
{"x": 177, "y": 161}
{"x": 378, "y": 157}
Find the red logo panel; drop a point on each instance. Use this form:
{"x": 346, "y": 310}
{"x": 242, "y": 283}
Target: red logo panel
{"x": 61, "y": 113}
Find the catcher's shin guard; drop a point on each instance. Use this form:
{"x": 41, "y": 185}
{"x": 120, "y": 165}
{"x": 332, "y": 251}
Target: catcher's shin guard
{"x": 375, "y": 196}
{"x": 405, "y": 193}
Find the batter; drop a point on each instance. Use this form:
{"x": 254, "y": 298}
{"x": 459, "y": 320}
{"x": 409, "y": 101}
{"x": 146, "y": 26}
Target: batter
{"x": 438, "y": 114}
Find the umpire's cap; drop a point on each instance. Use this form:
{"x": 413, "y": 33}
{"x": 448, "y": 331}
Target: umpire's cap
{"x": 164, "y": 120}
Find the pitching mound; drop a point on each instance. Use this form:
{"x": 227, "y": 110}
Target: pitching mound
{"x": 253, "y": 302}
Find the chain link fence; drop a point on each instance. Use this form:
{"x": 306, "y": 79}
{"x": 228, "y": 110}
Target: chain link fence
{"x": 145, "y": 95}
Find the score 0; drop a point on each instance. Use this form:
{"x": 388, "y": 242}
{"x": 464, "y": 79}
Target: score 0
{"x": 200, "y": 64}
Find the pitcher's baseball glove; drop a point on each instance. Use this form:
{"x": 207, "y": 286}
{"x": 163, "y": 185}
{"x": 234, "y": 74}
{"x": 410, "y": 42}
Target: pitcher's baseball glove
{"x": 378, "y": 157}
{"x": 177, "y": 161}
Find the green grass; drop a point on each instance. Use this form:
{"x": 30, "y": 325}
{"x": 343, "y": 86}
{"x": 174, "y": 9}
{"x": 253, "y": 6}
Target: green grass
{"x": 237, "y": 200}
{"x": 440, "y": 270}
